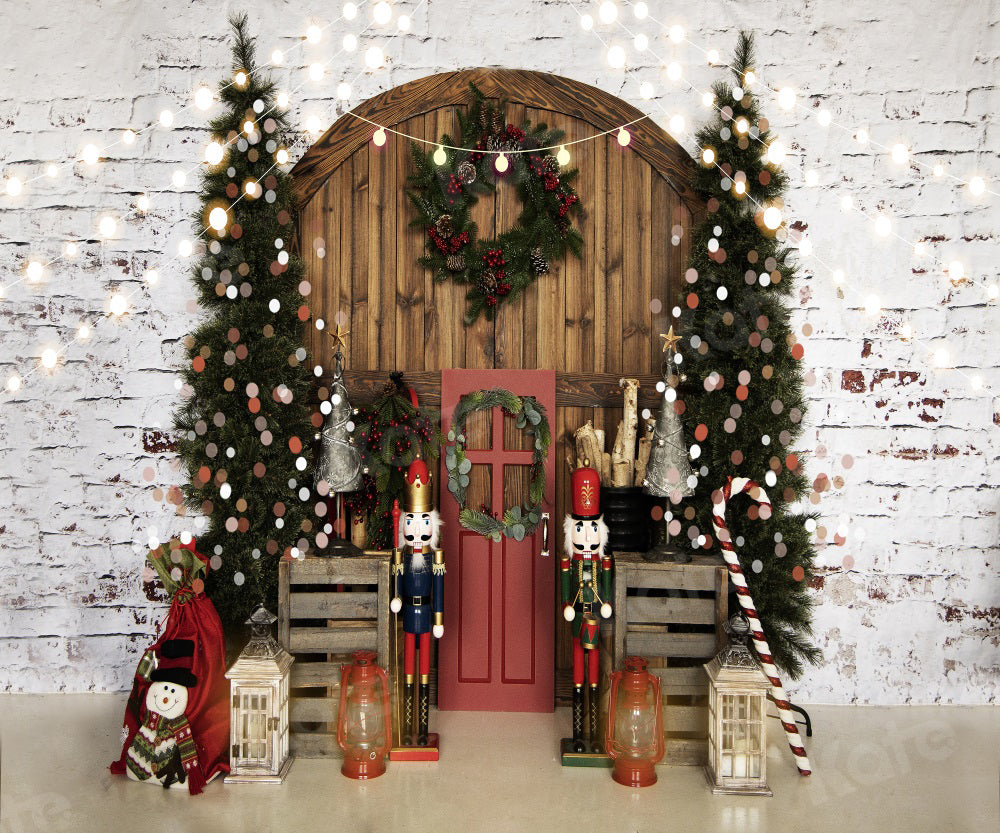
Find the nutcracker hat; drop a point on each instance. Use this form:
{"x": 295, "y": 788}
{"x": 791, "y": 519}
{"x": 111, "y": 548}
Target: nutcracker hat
{"x": 586, "y": 491}
{"x": 419, "y": 494}
{"x": 174, "y": 660}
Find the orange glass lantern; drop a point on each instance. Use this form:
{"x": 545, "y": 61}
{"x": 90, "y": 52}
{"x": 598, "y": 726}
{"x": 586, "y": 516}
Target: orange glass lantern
{"x": 363, "y": 722}
{"x": 635, "y": 724}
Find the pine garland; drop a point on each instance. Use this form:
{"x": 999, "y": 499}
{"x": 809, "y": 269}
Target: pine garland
{"x": 747, "y": 383}
{"x": 518, "y": 521}
{"x": 496, "y": 271}
{"x": 246, "y": 420}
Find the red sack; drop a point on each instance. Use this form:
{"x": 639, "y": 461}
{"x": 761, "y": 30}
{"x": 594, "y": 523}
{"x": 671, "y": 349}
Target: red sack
{"x": 191, "y": 616}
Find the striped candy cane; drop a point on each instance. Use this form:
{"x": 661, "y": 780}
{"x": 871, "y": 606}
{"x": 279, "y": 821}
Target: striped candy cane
{"x": 737, "y": 486}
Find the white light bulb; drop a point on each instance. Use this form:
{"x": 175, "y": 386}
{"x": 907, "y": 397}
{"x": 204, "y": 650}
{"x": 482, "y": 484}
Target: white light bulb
{"x": 107, "y": 226}
{"x": 677, "y": 33}
{"x": 977, "y": 382}
{"x": 71, "y": 249}
{"x": 314, "y": 33}
{"x": 350, "y": 43}
{"x": 616, "y": 57}
{"x": 883, "y": 226}
{"x": 919, "y": 248}
{"x": 152, "y": 276}
{"x": 861, "y": 137}
{"x": 184, "y": 248}
{"x": 118, "y": 304}
{"x": 403, "y": 23}
{"x": 712, "y": 56}
{"x": 708, "y": 98}
{"x": 14, "y": 383}
{"x": 708, "y": 156}
{"x": 374, "y": 57}
{"x": 786, "y": 98}
{"x": 586, "y": 22}
{"x": 838, "y": 276}
{"x": 938, "y": 169}
{"x": 608, "y": 12}
{"x": 90, "y": 154}
{"x": 501, "y": 163}
{"x": 350, "y": 11}
{"x": 218, "y": 218}
{"x": 313, "y": 124}
{"x": 872, "y": 305}
{"x": 776, "y": 152}
{"x": 677, "y": 124}
{"x": 440, "y": 157}
{"x": 281, "y": 100}
{"x": 772, "y": 217}
{"x": 49, "y": 358}
{"x": 249, "y": 127}
{"x": 624, "y": 137}
{"x": 906, "y": 331}
{"x": 281, "y": 157}
{"x": 166, "y": 118}
{"x": 900, "y": 153}
{"x": 640, "y": 10}
{"x": 179, "y": 177}
{"x": 382, "y": 13}
{"x": 641, "y": 42}
{"x": 993, "y": 291}
{"x": 128, "y": 136}
{"x": 824, "y": 118}
{"x": 203, "y": 97}
{"x": 646, "y": 90}
{"x": 956, "y": 271}
{"x": 742, "y": 125}
{"x": 316, "y": 71}
{"x": 812, "y": 178}
{"x": 142, "y": 203}
{"x": 847, "y": 202}
{"x": 749, "y": 78}
{"x": 674, "y": 71}
{"x": 562, "y": 157}
{"x": 35, "y": 271}
{"x": 805, "y": 247}
{"x": 739, "y": 187}
{"x": 343, "y": 91}
{"x": 379, "y": 137}
{"x": 14, "y": 186}
{"x": 277, "y": 57}
{"x": 214, "y": 153}
{"x": 83, "y": 332}
{"x": 977, "y": 186}
{"x": 942, "y": 358}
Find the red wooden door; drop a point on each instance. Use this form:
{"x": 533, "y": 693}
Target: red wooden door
{"x": 497, "y": 652}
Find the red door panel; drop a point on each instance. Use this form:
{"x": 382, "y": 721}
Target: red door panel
{"x": 497, "y": 652}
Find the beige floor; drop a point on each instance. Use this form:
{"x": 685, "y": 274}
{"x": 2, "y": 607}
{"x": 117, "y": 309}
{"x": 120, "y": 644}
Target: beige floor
{"x": 876, "y": 769}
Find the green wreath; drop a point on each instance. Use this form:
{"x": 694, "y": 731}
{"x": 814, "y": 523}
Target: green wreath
{"x": 518, "y": 521}
{"x": 495, "y": 270}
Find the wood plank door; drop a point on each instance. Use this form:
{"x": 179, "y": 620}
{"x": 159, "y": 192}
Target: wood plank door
{"x": 497, "y": 652}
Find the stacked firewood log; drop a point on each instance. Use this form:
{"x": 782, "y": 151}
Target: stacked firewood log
{"x": 625, "y": 463}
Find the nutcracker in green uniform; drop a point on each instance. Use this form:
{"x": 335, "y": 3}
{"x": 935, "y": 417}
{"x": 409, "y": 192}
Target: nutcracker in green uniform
{"x": 585, "y": 578}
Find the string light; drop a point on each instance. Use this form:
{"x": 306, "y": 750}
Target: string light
{"x": 708, "y": 98}
{"x": 624, "y": 137}
{"x": 608, "y": 12}
{"x": 674, "y": 71}
{"x": 83, "y": 332}
{"x": 640, "y": 10}
{"x": 586, "y": 22}
{"x": 214, "y": 152}
{"x": 772, "y": 217}
{"x": 641, "y": 42}
{"x": 900, "y": 154}
{"x": 883, "y": 226}
{"x": 382, "y": 13}
{"x": 316, "y": 71}
{"x": 838, "y": 276}
{"x": 118, "y": 304}
{"x": 861, "y": 136}
{"x": 49, "y": 358}
{"x": 956, "y": 271}
{"x": 142, "y": 204}
{"x": 185, "y": 248}
{"x": 313, "y": 124}
{"x": 677, "y": 33}
{"x": 14, "y": 186}
{"x": 919, "y": 248}
{"x": 35, "y": 271}
{"x": 379, "y": 137}
{"x": 343, "y": 91}
{"x": 938, "y": 169}
{"x": 906, "y": 331}
{"x": 616, "y": 57}
{"x": 350, "y": 11}
{"x": 749, "y": 78}
{"x": 203, "y": 97}
{"x": 90, "y": 154}
{"x": 374, "y": 57}
{"x": 501, "y": 163}
{"x": 440, "y": 157}
{"x": 218, "y": 219}
{"x": 993, "y": 291}
{"x": 152, "y": 277}
{"x": 786, "y": 98}
{"x": 166, "y": 118}
{"x": 824, "y": 117}
{"x": 646, "y": 90}
{"x": 562, "y": 157}
{"x": 776, "y": 152}
{"x": 277, "y": 57}
{"x": 128, "y": 136}
{"x": 712, "y": 56}
{"x": 847, "y": 202}
{"x": 677, "y": 124}
{"x": 350, "y": 43}
{"x": 942, "y": 358}
{"x": 282, "y": 100}
{"x": 107, "y": 226}
{"x": 14, "y": 383}
{"x": 742, "y": 125}
{"x": 977, "y": 382}
{"x": 812, "y": 178}
{"x": 240, "y": 79}
{"x": 977, "y": 186}
{"x": 403, "y": 23}
{"x": 179, "y": 177}
{"x": 70, "y": 249}
{"x": 708, "y": 156}
{"x": 281, "y": 157}
{"x": 872, "y": 305}
{"x": 314, "y": 33}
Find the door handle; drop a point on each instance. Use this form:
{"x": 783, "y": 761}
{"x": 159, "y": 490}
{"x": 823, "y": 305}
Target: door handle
{"x": 545, "y": 534}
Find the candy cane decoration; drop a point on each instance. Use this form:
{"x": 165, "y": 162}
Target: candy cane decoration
{"x": 737, "y": 486}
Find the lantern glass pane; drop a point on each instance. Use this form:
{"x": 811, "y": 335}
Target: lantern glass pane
{"x": 755, "y": 707}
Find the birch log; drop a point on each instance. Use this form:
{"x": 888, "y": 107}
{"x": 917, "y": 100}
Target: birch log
{"x": 588, "y": 449}
{"x": 645, "y": 446}
{"x": 623, "y": 455}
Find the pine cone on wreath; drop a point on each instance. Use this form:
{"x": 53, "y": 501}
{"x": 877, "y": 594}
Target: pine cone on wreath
{"x": 487, "y": 283}
{"x": 495, "y": 143}
{"x": 443, "y": 226}
{"x": 466, "y": 172}
{"x": 538, "y": 261}
{"x": 551, "y": 164}
{"x": 496, "y": 121}
{"x": 455, "y": 263}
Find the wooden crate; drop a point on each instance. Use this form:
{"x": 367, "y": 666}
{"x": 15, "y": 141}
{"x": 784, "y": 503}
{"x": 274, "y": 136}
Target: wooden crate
{"x": 672, "y": 614}
{"x": 328, "y": 608}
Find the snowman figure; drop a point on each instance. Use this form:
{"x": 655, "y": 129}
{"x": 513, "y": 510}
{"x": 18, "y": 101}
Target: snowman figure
{"x": 163, "y": 751}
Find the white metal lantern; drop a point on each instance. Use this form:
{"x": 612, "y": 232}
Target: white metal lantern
{"x": 737, "y": 708}
{"x": 259, "y": 721}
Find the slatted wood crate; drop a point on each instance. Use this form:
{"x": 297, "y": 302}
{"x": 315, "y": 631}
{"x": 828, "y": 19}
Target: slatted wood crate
{"x": 328, "y": 608}
{"x": 672, "y": 614}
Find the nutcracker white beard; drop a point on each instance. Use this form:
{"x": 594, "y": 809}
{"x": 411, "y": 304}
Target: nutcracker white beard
{"x": 581, "y": 536}
{"x": 419, "y": 529}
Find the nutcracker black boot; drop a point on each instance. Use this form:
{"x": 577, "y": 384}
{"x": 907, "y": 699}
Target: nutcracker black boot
{"x": 595, "y": 711}
{"x": 578, "y": 744}
{"x": 406, "y": 730}
{"x": 424, "y": 713}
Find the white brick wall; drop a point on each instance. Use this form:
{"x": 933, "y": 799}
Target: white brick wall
{"x": 915, "y": 620}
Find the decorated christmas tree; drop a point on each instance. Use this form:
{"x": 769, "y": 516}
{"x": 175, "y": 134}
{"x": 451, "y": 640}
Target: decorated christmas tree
{"x": 745, "y": 405}
{"x": 245, "y": 424}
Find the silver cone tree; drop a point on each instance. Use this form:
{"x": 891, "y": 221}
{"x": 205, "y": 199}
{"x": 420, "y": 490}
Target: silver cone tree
{"x": 339, "y": 462}
{"x": 668, "y": 469}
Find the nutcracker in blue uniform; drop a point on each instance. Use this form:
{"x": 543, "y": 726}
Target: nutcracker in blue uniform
{"x": 585, "y": 584}
{"x": 418, "y": 590}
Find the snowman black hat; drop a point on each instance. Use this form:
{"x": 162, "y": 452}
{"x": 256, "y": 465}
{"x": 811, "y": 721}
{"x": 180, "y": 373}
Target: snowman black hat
{"x": 174, "y": 663}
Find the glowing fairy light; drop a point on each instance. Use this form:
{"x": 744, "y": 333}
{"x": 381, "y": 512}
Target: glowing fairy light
{"x": 379, "y": 137}
{"x": 203, "y": 98}
{"x": 501, "y": 163}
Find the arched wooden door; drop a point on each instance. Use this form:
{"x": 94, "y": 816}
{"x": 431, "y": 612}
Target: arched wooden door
{"x": 591, "y": 320}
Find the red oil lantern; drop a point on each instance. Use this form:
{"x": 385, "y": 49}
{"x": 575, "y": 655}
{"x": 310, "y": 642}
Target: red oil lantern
{"x": 363, "y": 720}
{"x": 634, "y": 736}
